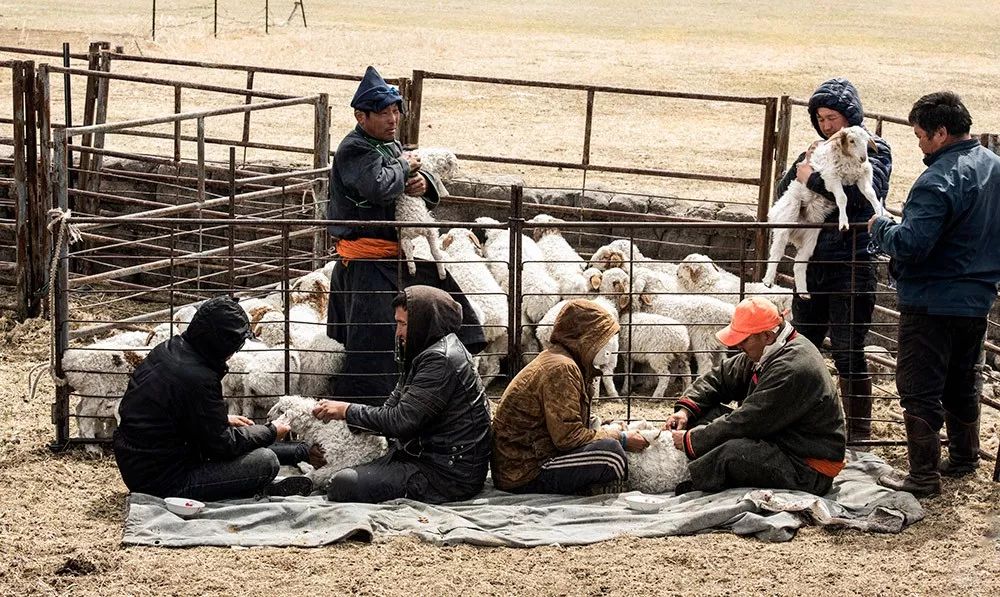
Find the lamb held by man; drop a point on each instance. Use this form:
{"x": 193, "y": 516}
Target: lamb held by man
{"x": 841, "y": 160}
{"x": 434, "y": 165}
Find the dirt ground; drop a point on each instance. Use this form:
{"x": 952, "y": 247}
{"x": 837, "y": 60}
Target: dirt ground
{"x": 61, "y": 515}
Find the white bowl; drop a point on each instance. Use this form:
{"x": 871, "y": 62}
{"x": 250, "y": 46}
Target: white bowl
{"x": 183, "y": 507}
{"x": 644, "y": 503}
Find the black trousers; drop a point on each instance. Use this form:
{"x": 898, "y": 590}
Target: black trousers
{"x": 752, "y": 463}
{"x": 596, "y": 463}
{"x": 843, "y": 299}
{"x": 360, "y": 317}
{"x": 939, "y": 366}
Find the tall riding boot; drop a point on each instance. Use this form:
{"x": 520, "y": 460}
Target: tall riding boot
{"x": 923, "y": 448}
{"x": 856, "y": 394}
{"x": 963, "y": 447}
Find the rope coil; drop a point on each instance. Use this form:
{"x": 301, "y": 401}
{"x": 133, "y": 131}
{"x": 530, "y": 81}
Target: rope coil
{"x": 59, "y": 225}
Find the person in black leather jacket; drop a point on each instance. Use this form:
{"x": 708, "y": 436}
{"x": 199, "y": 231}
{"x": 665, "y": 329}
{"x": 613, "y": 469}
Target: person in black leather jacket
{"x": 176, "y": 438}
{"x": 437, "y": 418}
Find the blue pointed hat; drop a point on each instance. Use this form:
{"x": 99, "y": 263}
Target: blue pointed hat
{"x": 374, "y": 94}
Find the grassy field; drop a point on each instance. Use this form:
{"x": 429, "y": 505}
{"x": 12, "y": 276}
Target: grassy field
{"x": 60, "y": 519}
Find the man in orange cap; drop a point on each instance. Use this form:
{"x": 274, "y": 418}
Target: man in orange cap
{"x": 787, "y": 431}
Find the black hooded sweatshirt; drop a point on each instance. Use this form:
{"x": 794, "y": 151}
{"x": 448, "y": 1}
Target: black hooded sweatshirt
{"x": 438, "y": 414}
{"x": 173, "y": 416}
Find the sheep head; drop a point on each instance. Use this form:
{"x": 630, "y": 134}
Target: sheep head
{"x": 853, "y": 142}
{"x": 544, "y": 231}
{"x": 312, "y": 289}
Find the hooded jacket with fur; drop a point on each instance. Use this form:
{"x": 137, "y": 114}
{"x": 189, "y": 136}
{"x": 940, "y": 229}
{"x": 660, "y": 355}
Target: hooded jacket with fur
{"x": 546, "y": 408}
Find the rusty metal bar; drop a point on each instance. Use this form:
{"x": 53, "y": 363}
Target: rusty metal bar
{"x": 782, "y": 140}
{"x": 107, "y": 128}
{"x": 177, "y": 124}
{"x": 170, "y": 83}
{"x": 587, "y": 127}
{"x": 43, "y": 200}
{"x": 416, "y": 106}
{"x": 37, "y": 52}
{"x": 246, "y": 117}
{"x": 162, "y": 263}
{"x": 67, "y": 96}
{"x": 100, "y": 117}
{"x": 321, "y": 164}
{"x": 764, "y": 192}
{"x": 213, "y": 141}
{"x": 60, "y": 311}
{"x": 20, "y": 187}
{"x": 599, "y": 88}
{"x": 613, "y": 169}
{"x": 245, "y": 67}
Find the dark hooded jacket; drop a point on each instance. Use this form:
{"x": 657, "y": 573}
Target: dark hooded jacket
{"x": 437, "y": 416}
{"x": 173, "y": 416}
{"x": 545, "y": 409}
{"x": 834, "y": 245}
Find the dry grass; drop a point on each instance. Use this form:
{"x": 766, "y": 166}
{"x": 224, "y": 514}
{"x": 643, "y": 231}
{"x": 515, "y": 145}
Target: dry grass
{"x": 61, "y": 517}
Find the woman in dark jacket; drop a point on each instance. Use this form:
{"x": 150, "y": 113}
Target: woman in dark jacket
{"x": 841, "y": 276}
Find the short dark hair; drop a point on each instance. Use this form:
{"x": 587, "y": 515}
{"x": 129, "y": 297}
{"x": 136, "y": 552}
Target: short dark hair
{"x": 399, "y": 301}
{"x": 941, "y": 109}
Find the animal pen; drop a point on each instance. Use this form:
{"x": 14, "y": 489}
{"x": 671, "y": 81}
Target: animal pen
{"x": 178, "y": 215}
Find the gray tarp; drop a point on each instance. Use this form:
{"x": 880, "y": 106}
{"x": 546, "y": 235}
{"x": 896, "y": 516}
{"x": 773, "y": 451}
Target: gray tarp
{"x": 496, "y": 518}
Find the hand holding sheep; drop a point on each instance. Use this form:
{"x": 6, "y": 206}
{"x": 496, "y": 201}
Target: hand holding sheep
{"x": 330, "y": 410}
{"x": 678, "y": 420}
{"x": 416, "y": 186}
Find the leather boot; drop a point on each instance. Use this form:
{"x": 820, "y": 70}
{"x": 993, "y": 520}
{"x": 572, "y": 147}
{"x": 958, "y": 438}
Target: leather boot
{"x": 923, "y": 450}
{"x": 856, "y": 394}
{"x": 963, "y": 447}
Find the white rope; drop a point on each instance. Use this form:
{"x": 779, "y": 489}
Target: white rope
{"x": 58, "y": 220}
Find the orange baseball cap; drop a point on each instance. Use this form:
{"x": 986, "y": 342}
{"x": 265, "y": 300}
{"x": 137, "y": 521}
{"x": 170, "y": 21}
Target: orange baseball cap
{"x": 752, "y": 316}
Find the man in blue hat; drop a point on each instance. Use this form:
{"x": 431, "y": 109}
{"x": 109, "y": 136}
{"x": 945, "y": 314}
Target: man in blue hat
{"x": 841, "y": 276}
{"x": 370, "y": 171}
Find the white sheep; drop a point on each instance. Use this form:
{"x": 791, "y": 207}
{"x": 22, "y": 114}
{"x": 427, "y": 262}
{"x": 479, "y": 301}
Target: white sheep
{"x": 840, "y": 160}
{"x": 484, "y": 294}
{"x": 319, "y": 358}
{"x": 312, "y": 289}
{"x": 698, "y": 274}
{"x": 341, "y": 448}
{"x": 265, "y": 380}
{"x": 441, "y": 162}
{"x": 234, "y": 382}
{"x": 561, "y": 260}
{"x": 621, "y": 251}
{"x": 702, "y": 315}
{"x": 658, "y": 341}
{"x": 658, "y": 468}
{"x": 99, "y": 374}
{"x": 543, "y": 332}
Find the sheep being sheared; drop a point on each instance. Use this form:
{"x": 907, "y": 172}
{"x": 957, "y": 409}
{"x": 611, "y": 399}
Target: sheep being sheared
{"x": 341, "y": 448}
{"x": 658, "y": 468}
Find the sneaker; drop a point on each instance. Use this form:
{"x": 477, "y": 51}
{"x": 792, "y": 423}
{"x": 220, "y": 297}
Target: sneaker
{"x": 297, "y": 485}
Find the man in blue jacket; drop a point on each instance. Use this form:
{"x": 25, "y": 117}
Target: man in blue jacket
{"x": 947, "y": 262}
{"x": 841, "y": 275}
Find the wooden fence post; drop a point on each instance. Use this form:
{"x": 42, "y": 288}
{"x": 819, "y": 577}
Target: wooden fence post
{"x": 321, "y": 159}
{"x": 764, "y": 192}
{"x": 416, "y": 101}
{"x": 22, "y": 260}
{"x": 43, "y": 196}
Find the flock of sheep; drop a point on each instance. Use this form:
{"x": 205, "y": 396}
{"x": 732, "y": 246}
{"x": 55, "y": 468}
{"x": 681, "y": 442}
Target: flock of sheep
{"x": 668, "y": 312}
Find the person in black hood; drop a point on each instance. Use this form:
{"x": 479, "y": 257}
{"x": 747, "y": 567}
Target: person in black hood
{"x": 841, "y": 275}
{"x": 437, "y": 418}
{"x": 175, "y": 437}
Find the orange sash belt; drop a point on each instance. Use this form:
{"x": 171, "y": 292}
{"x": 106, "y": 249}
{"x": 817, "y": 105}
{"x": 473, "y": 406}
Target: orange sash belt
{"x": 366, "y": 248}
{"x": 829, "y": 468}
